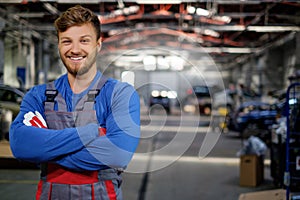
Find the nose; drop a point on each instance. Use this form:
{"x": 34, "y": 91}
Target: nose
{"x": 75, "y": 48}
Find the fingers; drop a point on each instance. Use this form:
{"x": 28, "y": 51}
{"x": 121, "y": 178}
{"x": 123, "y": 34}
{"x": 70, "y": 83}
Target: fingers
{"x": 27, "y": 118}
{"x": 36, "y": 120}
{"x": 40, "y": 117}
{"x": 26, "y": 122}
{"x": 28, "y": 115}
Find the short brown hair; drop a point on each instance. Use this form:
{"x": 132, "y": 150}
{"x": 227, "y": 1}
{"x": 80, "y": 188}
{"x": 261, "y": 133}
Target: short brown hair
{"x": 75, "y": 16}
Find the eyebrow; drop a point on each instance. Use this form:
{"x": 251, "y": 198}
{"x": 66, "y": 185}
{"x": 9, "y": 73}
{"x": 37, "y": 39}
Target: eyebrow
{"x": 66, "y": 37}
{"x": 86, "y": 36}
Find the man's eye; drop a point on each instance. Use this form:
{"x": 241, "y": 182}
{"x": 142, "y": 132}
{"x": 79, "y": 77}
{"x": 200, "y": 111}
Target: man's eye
{"x": 85, "y": 40}
{"x": 65, "y": 41}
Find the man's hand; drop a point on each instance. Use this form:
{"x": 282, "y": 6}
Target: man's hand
{"x": 31, "y": 119}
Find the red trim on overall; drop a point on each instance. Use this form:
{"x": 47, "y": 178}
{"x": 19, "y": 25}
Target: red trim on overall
{"x": 93, "y": 192}
{"x": 39, "y": 190}
{"x": 110, "y": 190}
{"x": 50, "y": 192}
{"x": 58, "y": 174}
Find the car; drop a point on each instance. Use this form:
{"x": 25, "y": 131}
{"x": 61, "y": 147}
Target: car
{"x": 198, "y": 99}
{"x": 10, "y": 100}
{"x": 160, "y": 99}
{"x": 253, "y": 118}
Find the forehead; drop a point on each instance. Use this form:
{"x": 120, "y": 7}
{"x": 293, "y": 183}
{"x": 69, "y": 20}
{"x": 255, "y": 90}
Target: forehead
{"x": 78, "y": 31}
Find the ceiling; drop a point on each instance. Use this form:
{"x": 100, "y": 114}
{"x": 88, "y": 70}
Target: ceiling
{"x": 228, "y": 30}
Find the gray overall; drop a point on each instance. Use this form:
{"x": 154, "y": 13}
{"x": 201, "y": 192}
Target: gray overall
{"x": 59, "y": 183}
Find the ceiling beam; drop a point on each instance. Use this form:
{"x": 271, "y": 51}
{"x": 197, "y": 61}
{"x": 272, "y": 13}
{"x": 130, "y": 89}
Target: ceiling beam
{"x": 143, "y": 1}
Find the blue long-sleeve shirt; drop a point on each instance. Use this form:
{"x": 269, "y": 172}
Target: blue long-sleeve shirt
{"x": 80, "y": 148}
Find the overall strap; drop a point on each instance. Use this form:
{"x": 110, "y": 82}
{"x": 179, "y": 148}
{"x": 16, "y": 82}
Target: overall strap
{"x": 88, "y": 101}
{"x": 53, "y": 95}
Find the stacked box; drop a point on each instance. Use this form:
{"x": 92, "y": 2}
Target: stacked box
{"x": 251, "y": 170}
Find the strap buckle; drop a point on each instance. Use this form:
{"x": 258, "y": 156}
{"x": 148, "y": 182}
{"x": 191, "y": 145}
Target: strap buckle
{"x": 50, "y": 95}
{"x": 92, "y": 95}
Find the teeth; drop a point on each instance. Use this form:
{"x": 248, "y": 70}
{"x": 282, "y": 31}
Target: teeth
{"x": 77, "y": 58}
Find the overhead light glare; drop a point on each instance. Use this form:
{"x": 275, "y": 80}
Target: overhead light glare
{"x": 273, "y": 28}
{"x": 162, "y": 63}
{"x": 128, "y": 76}
{"x": 176, "y": 63}
{"x": 155, "y": 93}
{"x": 191, "y": 9}
{"x": 149, "y": 63}
{"x": 225, "y": 19}
{"x": 164, "y": 93}
{"x": 172, "y": 94}
{"x": 51, "y": 8}
{"x": 202, "y": 12}
{"x": 211, "y": 33}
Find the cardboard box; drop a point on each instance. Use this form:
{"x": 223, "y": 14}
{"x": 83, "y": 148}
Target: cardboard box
{"x": 251, "y": 170}
{"x": 276, "y": 194}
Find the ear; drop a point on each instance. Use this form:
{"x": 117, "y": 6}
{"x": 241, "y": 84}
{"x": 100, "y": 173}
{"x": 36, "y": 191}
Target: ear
{"x": 99, "y": 45}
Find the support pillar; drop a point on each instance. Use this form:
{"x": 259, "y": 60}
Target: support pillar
{"x": 2, "y": 35}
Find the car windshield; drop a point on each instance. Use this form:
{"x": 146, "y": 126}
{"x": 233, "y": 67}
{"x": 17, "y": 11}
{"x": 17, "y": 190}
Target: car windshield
{"x": 7, "y": 95}
{"x": 201, "y": 91}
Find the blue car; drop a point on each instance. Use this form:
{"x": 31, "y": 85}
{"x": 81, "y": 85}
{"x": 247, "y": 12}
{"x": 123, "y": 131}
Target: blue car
{"x": 253, "y": 118}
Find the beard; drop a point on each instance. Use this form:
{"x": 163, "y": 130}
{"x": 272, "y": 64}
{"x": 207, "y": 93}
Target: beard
{"x": 81, "y": 68}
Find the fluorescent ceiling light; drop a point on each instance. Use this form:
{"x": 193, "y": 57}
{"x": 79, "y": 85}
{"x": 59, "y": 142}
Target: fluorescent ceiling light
{"x": 211, "y": 33}
{"x": 172, "y": 94}
{"x": 10, "y": 1}
{"x": 225, "y": 19}
{"x": 29, "y": 15}
{"x": 229, "y": 50}
{"x": 162, "y": 63}
{"x": 191, "y": 9}
{"x": 251, "y": 28}
{"x": 158, "y": 1}
{"x": 206, "y": 31}
{"x": 128, "y": 76}
{"x": 202, "y": 12}
{"x": 51, "y": 9}
{"x": 78, "y": 1}
{"x": 273, "y": 28}
{"x": 177, "y": 63}
{"x": 149, "y": 63}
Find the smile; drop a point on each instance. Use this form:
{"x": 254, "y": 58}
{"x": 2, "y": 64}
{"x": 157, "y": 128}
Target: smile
{"x": 77, "y": 58}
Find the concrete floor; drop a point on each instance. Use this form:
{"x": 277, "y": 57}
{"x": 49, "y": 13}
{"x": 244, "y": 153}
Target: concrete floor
{"x": 189, "y": 177}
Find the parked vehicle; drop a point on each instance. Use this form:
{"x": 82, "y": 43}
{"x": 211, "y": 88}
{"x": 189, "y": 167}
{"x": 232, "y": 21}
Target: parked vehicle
{"x": 10, "y": 100}
{"x": 160, "y": 98}
{"x": 253, "y": 118}
{"x": 199, "y": 97}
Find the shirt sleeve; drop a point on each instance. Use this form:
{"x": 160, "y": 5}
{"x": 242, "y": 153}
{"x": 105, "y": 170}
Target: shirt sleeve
{"x": 117, "y": 147}
{"x": 38, "y": 144}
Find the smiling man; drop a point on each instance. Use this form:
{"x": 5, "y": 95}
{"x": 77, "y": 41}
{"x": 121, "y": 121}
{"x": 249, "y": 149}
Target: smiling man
{"x": 82, "y": 128}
